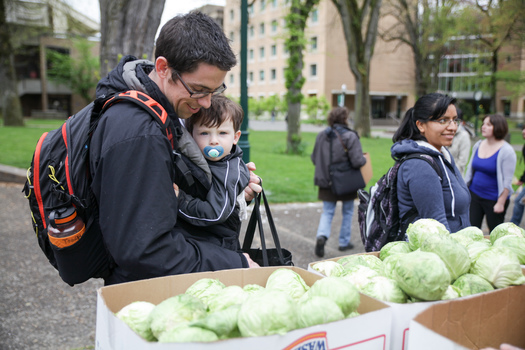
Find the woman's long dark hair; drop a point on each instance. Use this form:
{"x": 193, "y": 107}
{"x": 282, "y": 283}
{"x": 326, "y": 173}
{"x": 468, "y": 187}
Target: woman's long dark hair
{"x": 429, "y": 107}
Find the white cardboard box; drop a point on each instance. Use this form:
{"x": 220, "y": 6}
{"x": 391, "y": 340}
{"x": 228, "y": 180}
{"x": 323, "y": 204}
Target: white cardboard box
{"x": 370, "y": 330}
{"x": 475, "y": 322}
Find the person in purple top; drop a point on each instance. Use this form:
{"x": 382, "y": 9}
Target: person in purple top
{"x": 490, "y": 172}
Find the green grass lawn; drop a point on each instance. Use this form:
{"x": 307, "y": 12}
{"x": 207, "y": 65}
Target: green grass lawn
{"x": 287, "y": 178}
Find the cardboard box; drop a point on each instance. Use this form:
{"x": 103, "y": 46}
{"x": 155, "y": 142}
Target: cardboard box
{"x": 366, "y": 170}
{"x": 370, "y": 330}
{"x": 475, "y": 322}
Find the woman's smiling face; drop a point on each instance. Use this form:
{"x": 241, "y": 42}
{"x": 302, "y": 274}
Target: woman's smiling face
{"x": 440, "y": 132}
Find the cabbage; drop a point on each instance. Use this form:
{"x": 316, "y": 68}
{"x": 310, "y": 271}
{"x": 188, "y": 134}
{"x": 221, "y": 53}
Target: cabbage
{"x": 360, "y": 275}
{"x": 175, "y": 311}
{"x": 451, "y": 293}
{"x": 329, "y": 268}
{"x": 370, "y": 261}
{"x": 267, "y": 312}
{"x": 136, "y": 316}
{"x": 393, "y": 248}
{"x": 506, "y": 229}
{"x": 389, "y": 264}
{"x": 454, "y": 255}
{"x": 223, "y": 322}
{"x": 385, "y": 289}
{"x": 514, "y": 243}
{"x": 344, "y": 293}
{"x": 227, "y": 297}
{"x": 468, "y": 235}
{"x": 252, "y": 288}
{"x": 477, "y": 247}
{"x": 417, "y": 230}
{"x": 353, "y": 314}
{"x": 185, "y": 334}
{"x": 500, "y": 266}
{"x": 422, "y": 275}
{"x": 205, "y": 288}
{"x": 318, "y": 310}
{"x": 469, "y": 284}
{"x": 288, "y": 281}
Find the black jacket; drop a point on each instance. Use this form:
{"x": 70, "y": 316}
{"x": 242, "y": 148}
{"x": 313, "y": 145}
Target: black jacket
{"x": 321, "y": 158}
{"x": 211, "y": 213}
{"x": 133, "y": 174}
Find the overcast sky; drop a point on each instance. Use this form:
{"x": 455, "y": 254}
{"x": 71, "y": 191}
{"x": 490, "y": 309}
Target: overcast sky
{"x": 171, "y": 8}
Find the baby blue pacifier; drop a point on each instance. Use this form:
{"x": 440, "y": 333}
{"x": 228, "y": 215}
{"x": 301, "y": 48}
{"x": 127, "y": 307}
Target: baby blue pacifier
{"x": 213, "y": 152}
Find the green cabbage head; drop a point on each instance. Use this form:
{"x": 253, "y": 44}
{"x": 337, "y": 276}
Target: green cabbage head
{"x": 205, "y": 288}
{"x": 468, "y": 235}
{"x": 267, "y": 312}
{"x": 136, "y": 316}
{"x": 506, "y": 229}
{"x": 344, "y": 293}
{"x": 417, "y": 230}
{"x": 389, "y": 264}
{"x": 477, "y": 247}
{"x": 454, "y": 255}
{"x": 186, "y": 334}
{"x": 318, "y": 310}
{"x": 174, "y": 311}
{"x": 287, "y": 281}
{"x": 367, "y": 260}
{"x": 514, "y": 243}
{"x": 385, "y": 289}
{"x": 500, "y": 266}
{"x": 227, "y": 297}
{"x": 252, "y": 288}
{"x": 451, "y": 293}
{"x": 469, "y": 284}
{"x": 392, "y": 248}
{"x": 360, "y": 275}
{"x": 422, "y": 275}
{"x": 329, "y": 268}
{"x": 223, "y": 323}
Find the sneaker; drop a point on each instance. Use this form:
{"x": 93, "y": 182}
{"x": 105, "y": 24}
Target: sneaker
{"x": 347, "y": 247}
{"x": 319, "y": 246}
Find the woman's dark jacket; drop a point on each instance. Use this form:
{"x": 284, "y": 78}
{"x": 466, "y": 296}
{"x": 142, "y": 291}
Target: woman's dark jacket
{"x": 321, "y": 158}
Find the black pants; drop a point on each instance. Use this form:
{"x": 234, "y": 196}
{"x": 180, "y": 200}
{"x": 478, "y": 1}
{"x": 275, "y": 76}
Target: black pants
{"x": 479, "y": 207}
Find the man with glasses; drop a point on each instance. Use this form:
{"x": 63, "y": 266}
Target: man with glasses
{"x": 132, "y": 162}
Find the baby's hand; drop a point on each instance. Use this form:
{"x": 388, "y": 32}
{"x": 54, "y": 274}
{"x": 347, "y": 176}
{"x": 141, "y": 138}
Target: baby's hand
{"x": 176, "y": 189}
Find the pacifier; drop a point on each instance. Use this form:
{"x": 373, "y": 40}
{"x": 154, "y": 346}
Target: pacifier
{"x": 213, "y": 152}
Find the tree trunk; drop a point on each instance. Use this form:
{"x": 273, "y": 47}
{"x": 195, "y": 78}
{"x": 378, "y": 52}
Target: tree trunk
{"x": 11, "y": 108}
{"x": 128, "y": 27}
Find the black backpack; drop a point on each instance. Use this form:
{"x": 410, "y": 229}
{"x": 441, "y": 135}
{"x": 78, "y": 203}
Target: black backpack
{"x": 59, "y": 178}
{"x": 378, "y": 211}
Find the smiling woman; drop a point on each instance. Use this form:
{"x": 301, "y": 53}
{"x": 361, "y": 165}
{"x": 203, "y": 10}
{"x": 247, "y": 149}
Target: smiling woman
{"x": 427, "y": 129}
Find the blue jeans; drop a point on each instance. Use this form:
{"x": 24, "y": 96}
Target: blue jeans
{"x": 517, "y": 212}
{"x": 325, "y": 224}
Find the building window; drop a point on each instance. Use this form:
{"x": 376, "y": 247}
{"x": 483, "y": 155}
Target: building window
{"x": 274, "y": 26}
{"x": 251, "y": 31}
{"x": 274, "y": 50}
{"x": 313, "y": 70}
{"x": 313, "y": 43}
{"x": 261, "y": 29}
{"x": 263, "y": 5}
{"x": 315, "y": 16}
{"x": 261, "y": 75}
{"x": 232, "y": 15}
{"x": 273, "y": 74}
{"x": 250, "y": 9}
{"x": 261, "y": 52}
{"x": 274, "y": 4}
{"x": 250, "y": 77}
{"x": 250, "y": 54}
{"x": 232, "y": 79}
{"x": 232, "y": 36}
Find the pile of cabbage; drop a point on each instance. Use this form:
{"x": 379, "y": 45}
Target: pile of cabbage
{"x": 209, "y": 310}
{"x": 436, "y": 265}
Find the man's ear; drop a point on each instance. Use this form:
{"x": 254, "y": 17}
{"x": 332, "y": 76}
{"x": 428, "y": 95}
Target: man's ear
{"x": 236, "y": 137}
{"x": 162, "y": 67}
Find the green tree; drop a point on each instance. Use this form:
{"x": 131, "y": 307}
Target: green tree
{"x": 425, "y": 26}
{"x": 295, "y": 43}
{"x": 12, "y": 109}
{"x": 360, "y": 19}
{"x": 80, "y": 74}
{"x": 315, "y": 105}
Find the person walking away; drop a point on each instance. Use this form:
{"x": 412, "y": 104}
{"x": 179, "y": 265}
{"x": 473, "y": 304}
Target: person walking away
{"x": 490, "y": 172}
{"x": 519, "y": 205}
{"x": 460, "y": 148}
{"x": 428, "y": 128}
{"x": 345, "y": 147}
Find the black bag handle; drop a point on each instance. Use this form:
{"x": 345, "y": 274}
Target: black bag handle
{"x": 255, "y": 219}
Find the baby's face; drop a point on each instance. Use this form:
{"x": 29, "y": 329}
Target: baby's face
{"x": 212, "y": 141}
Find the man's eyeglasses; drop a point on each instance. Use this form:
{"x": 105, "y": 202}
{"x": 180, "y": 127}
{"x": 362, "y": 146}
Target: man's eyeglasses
{"x": 201, "y": 94}
{"x": 447, "y": 122}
